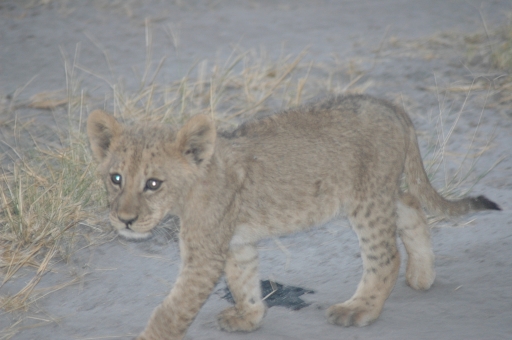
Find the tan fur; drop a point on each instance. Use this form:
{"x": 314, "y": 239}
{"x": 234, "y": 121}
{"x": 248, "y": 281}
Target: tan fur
{"x": 273, "y": 176}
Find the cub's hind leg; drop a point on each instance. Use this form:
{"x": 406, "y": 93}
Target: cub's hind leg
{"x": 415, "y": 234}
{"x": 374, "y": 222}
{"x": 243, "y": 280}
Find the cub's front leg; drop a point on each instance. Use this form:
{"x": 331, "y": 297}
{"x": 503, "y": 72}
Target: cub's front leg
{"x": 201, "y": 267}
{"x": 243, "y": 280}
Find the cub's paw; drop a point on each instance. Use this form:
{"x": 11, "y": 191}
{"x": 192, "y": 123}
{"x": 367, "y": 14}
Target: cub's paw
{"x": 233, "y": 319}
{"x": 420, "y": 279}
{"x": 420, "y": 273}
{"x": 359, "y": 312}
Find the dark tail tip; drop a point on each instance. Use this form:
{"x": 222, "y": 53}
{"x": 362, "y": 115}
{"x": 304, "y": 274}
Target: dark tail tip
{"x": 483, "y": 203}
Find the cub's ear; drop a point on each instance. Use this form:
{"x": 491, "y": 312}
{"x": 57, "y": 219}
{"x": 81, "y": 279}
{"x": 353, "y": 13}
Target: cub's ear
{"x": 196, "y": 139}
{"x": 102, "y": 129}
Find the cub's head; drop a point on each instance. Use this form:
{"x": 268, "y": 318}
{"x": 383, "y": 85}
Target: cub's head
{"x": 148, "y": 169}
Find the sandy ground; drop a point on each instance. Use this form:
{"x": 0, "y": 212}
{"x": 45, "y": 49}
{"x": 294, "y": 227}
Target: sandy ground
{"x": 122, "y": 282}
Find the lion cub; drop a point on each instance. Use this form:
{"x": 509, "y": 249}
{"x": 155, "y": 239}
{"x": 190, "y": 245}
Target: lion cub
{"x": 273, "y": 176}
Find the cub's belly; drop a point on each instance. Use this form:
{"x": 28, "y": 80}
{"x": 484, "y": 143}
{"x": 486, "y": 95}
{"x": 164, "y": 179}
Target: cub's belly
{"x": 252, "y": 232}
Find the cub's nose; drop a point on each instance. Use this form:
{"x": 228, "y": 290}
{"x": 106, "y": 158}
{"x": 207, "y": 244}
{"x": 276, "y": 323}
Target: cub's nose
{"x": 127, "y": 220}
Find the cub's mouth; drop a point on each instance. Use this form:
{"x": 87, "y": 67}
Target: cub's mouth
{"x": 165, "y": 230}
{"x": 132, "y": 230}
{"x": 131, "y": 235}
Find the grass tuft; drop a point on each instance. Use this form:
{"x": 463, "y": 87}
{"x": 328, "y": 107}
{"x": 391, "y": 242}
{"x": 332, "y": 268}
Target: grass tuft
{"x": 501, "y": 56}
{"x": 43, "y": 198}
{"x": 492, "y": 47}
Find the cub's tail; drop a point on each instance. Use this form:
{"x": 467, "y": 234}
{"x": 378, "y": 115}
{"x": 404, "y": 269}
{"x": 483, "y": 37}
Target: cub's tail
{"x": 419, "y": 185}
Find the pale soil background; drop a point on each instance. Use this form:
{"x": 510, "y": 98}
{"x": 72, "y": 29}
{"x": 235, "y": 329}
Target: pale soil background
{"x": 120, "y": 283}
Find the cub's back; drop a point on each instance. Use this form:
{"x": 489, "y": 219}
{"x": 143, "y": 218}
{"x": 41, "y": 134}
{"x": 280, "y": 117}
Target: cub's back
{"x": 347, "y": 129}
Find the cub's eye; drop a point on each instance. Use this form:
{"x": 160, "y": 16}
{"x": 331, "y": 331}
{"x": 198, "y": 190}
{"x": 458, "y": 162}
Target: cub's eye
{"x": 116, "y": 179}
{"x": 153, "y": 184}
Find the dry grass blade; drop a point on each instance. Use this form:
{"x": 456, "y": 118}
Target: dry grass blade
{"x": 274, "y": 289}
{"x": 479, "y": 86}
{"x": 15, "y": 328}
{"x": 124, "y": 336}
{"x": 48, "y": 100}
{"x": 285, "y": 251}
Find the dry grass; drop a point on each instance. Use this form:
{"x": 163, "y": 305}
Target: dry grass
{"x": 47, "y": 186}
{"x": 247, "y": 84}
{"x": 486, "y": 54}
{"x": 44, "y": 195}
{"x": 493, "y": 47}
{"x": 489, "y": 57}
